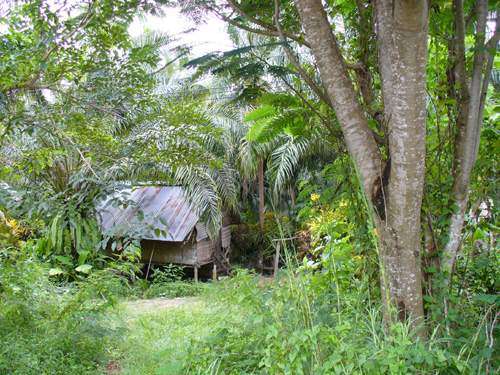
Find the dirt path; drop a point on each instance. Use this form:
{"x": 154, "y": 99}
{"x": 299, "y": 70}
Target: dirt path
{"x": 144, "y": 306}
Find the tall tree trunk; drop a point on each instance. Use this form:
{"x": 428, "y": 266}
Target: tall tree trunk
{"x": 260, "y": 182}
{"x": 402, "y": 35}
{"x": 470, "y": 108}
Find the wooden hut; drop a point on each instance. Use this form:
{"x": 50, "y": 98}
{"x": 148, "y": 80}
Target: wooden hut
{"x": 169, "y": 228}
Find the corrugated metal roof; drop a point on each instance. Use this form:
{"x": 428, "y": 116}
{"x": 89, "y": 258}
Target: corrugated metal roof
{"x": 164, "y": 208}
{"x": 201, "y": 232}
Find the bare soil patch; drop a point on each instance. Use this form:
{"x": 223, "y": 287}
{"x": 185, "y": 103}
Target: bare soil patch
{"x": 144, "y": 306}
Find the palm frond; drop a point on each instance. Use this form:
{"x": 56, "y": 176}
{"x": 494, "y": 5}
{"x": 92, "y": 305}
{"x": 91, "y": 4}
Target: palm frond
{"x": 286, "y": 160}
{"x": 202, "y": 191}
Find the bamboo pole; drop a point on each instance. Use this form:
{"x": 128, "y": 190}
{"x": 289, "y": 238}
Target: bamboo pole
{"x": 276, "y": 258}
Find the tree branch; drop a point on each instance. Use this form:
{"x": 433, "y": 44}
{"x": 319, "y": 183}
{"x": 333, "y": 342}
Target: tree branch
{"x": 168, "y": 63}
{"x": 240, "y": 25}
{"x": 272, "y": 29}
{"x": 353, "y": 122}
{"x": 295, "y": 61}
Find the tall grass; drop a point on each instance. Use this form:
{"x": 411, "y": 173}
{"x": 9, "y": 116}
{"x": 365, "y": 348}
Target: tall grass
{"x": 50, "y": 329}
{"x": 302, "y": 322}
{"x": 309, "y": 319}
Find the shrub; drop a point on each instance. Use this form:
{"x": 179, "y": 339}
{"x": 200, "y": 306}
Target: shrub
{"x": 53, "y": 329}
{"x": 293, "y": 327}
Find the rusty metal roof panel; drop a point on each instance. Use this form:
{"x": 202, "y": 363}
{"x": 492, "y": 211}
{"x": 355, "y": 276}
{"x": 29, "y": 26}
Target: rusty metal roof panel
{"x": 160, "y": 213}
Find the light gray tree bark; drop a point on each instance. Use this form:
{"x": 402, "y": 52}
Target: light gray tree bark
{"x": 402, "y": 38}
{"x": 471, "y": 96}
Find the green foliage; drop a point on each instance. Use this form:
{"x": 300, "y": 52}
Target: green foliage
{"x": 290, "y": 325}
{"x": 168, "y": 273}
{"x": 330, "y": 206}
{"x": 54, "y": 329}
{"x": 248, "y": 239}
{"x": 11, "y": 231}
{"x": 478, "y": 271}
{"x": 288, "y": 133}
{"x": 173, "y": 289}
{"x": 44, "y": 43}
{"x": 277, "y": 114}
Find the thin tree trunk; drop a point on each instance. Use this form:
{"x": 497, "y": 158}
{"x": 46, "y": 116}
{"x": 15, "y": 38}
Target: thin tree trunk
{"x": 260, "y": 182}
{"x": 469, "y": 120}
{"x": 260, "y": 178}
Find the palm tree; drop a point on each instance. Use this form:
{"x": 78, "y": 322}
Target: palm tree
{"x": 273, "y": 147}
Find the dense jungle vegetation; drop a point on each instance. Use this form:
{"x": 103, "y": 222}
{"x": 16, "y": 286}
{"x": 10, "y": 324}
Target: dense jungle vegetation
{"x": 358, "y": 137}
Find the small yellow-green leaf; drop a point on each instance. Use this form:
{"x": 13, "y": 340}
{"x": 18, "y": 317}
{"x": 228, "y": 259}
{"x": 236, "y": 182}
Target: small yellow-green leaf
{"x": 55, "y": 272}
{"x": 84, "y": 268}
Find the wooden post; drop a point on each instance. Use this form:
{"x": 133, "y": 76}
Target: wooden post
{"x": 150, "y": 259}
{"x": 214, "y": 273}
{"x": 196, "y": 273}
{"x": 277, "y": 258}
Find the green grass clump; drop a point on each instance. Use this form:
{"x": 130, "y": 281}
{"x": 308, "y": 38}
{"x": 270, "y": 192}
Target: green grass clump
{"x": 174, "y": 289}
{"x": 51, "y": 329}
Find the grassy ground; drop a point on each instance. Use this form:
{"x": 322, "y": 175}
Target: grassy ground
{"x": 54, "y": 327}
{"x": 175, "y": 336}
{"x": 159, "y": 334}
{"x": 246, "y": 326}
{"x": 300, "y": 323}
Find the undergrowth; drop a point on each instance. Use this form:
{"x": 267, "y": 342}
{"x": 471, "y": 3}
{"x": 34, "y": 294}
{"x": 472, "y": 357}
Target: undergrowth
{"x": 50, "y": 326}
{"x": 319, "y": 318}
{"x": 54, "y": 329}
{"x": 288, "y": 326}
